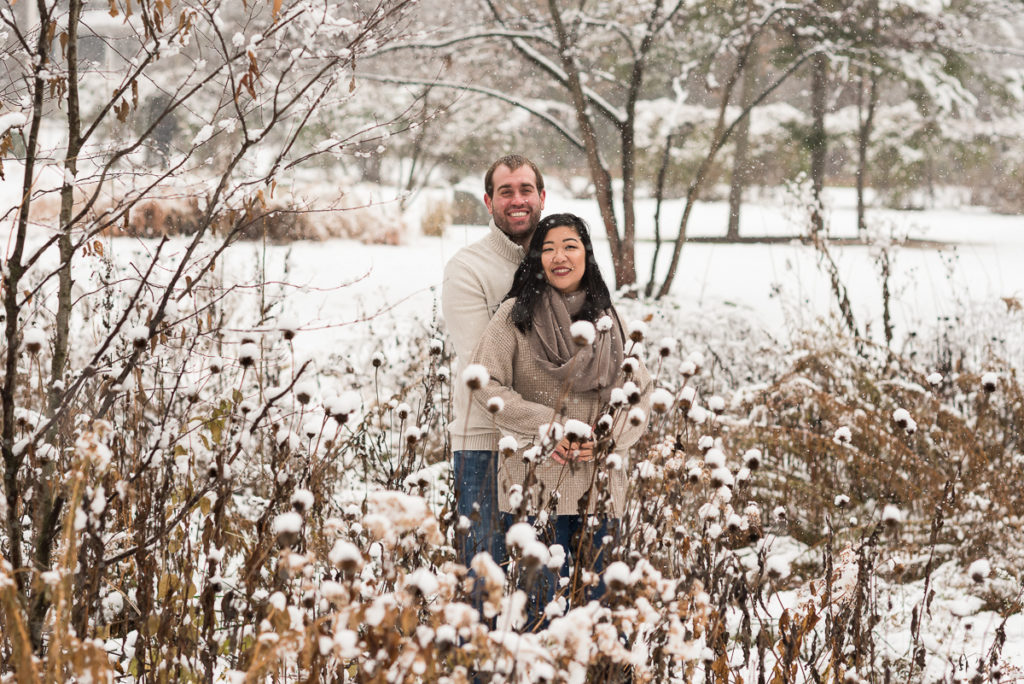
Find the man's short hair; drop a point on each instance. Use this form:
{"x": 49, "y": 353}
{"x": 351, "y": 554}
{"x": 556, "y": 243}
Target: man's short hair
{"x": 513, "y": 162}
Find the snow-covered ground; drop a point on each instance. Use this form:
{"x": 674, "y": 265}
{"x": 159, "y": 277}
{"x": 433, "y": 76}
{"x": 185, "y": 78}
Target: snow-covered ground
{"x": 966, "y": 287}
{"x": 341, "y": 291}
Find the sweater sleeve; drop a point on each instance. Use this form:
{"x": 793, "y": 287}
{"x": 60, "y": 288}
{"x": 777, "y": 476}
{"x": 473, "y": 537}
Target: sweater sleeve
{"x": 497, "y": 352}
{"x": 627, "y": 435}
{"x": 464, "y": 305}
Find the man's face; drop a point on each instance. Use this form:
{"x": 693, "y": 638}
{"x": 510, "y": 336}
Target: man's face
{"x": 517, "y": 203}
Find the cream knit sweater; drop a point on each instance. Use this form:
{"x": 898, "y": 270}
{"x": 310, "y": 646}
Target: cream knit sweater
{"x": 476, "y": 279}
{"x": 532, "y": 397}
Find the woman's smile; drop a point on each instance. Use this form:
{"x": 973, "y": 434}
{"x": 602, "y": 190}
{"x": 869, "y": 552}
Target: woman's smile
{"x": 564, "y": 259}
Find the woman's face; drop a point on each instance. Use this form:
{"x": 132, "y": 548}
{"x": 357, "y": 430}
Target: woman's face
{"x": 564, "y": 258}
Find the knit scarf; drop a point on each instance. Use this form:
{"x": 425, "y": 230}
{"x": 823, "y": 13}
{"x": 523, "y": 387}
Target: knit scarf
{"x": 586, "y": 368}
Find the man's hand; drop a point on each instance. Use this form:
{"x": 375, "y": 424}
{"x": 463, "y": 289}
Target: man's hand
{"x": 567, "y": 451}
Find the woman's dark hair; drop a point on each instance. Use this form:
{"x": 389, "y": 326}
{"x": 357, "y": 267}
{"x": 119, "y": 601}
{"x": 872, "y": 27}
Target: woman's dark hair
{"x": 529, "y": 281}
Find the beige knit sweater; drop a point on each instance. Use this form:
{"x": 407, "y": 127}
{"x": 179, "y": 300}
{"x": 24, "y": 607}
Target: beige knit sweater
{"x": 476, "y": 279}
{"x": 532, "y": 397}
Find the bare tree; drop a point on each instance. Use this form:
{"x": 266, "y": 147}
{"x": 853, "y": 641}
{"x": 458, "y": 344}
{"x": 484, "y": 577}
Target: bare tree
{"x": 245, "y": 85}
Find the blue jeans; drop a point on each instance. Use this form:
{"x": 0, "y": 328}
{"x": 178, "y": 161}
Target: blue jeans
{"x": 583, "y": 550}
{"x": 475, "y": 474}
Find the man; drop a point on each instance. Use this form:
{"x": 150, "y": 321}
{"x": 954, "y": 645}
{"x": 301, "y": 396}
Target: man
{"x": 476, "y": 279}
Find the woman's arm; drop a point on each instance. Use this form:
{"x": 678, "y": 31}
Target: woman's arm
{"x": 497, "y": 352}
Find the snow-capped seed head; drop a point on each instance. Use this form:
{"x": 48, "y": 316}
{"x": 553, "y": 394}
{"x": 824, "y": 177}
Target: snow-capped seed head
{"x": 892, "y": 516}
{"x": 779, "y": 513}
{"x": 32, "y": 340}
{"x": 216, "y": 364}
{"x": 422, "y": 583}
{"x": 636, "y": 416}
{"x": 248, "y": 353}
{"x": 583, "y": 333}
{"x": 288, "y": 325}
{"x": 413, "y": 434}
{"x": 535, "y": 554}
{"x": 436, "y": 347}
{"x": 617, "y": 576}
{"x": 613, "y": 462}
{"x": 911, "y": 426}
{"x": 989, "y": 381}
{"x": 716, "y": 404}
{"x": 604, "y": 323}
{"x": 901, "y": 417}
{"x": 495, "y": 405}
{"x": 687, "y": 368}
{"x": 851, "y": 677}
{"x": 603, "y": 425}
{"x": 577, "y": 430}
{"x": 139, "y": 335}
{"x": 633, "y": 394}
{"x": 302, "y": 500}
{"x": 342, "y": 406}
{"x": 693, "y": 475}
{"x": 287, "y": 527}
{"x": 630, "y": 366}
{"x": 722, "y": 477}
{"x": 734, "y": 523}
{"x": 979, "y": 570}
{"x": 520, "y": 535}
{"x": 714, "y": 458}
{"x": 345, "y": 556}
{"x": 617, "y": 398}
{"x": 304, "y": 391}
{"x": 841, "y": 501}
{"x": 636, "y": 331}
{"x": 666, "y": 345}
{"x": 705, "y": 443}
{"x": 475, "y": 376}
{"x": 842, "y": 435}
{"x": 515, "y": 496}
{"x": 402, "y": 411}
{"x": 752, "y": 458}
{"x": 686, "y": 397}
{"x": 531, "y": 455}
{"x": 661, "y": 400}
{"x": 508, "y": 445}
{"x": 378, "y": 359}
{"x": 934, "y": 378}
{"x": 697, "y": 359}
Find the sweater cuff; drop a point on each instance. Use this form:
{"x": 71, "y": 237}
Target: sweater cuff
{"x": 486, "y": 442}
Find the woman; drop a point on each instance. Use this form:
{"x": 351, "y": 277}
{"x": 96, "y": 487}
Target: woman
{"x": 542, "y": 376}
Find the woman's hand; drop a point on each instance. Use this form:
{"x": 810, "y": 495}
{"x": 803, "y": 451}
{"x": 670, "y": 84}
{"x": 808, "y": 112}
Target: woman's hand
{"x": 567, "y": 451}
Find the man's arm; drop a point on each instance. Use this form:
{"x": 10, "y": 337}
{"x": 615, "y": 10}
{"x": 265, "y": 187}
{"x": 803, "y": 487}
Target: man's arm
{"x": 464, "y": 306}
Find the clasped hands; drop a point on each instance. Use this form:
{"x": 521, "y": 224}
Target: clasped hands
{"x": 566, "y": 451}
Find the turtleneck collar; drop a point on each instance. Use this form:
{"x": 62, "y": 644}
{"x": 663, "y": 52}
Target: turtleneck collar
{"x": 503, "y": 246}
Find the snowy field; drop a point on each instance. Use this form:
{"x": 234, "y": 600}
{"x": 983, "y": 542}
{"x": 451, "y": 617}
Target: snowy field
{"x": 343, "y": 293}
{"x": 960, "y": 289}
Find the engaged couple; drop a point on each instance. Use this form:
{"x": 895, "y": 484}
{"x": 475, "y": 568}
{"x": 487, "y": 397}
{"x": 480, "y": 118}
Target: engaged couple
{"x": 527, "y": 303}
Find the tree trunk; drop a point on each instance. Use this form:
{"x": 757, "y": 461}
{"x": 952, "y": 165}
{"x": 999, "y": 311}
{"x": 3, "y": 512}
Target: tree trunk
{"x": 866, "y": 116}
{"x": 624, "y": 274}
{"x": 659, "y": 196}
{"x": 741, "y": 166}
{"x": 816, "y": 142}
